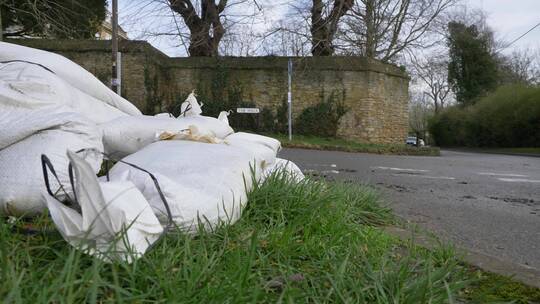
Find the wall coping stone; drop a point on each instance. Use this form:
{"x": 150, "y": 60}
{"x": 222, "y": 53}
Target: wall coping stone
{"x": 302, "y": 64}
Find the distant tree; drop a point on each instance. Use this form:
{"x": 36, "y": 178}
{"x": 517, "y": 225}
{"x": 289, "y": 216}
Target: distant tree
{"x": 432, "y": 73}
{"x": 420, "y": 112}
{"x": 287, "y": 37}
{"x": 384, "y": 29}
{"x": 52, "y": 18}
{"x": 472, "y": 68}
{"x": 520, "y": 67}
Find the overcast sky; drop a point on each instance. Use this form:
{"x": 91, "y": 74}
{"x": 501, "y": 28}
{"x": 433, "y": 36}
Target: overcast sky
{"x": 512, "y": 18}
{"x": 509, "y": 19}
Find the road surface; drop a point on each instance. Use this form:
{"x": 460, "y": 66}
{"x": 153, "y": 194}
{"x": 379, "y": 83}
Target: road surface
{"x": 484, "y": 202}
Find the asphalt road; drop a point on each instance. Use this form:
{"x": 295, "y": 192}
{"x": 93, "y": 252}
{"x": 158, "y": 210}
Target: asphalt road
{"x": 483, "y": 202}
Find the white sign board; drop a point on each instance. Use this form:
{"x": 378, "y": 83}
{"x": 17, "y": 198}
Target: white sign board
{"x": 248, "y": 110}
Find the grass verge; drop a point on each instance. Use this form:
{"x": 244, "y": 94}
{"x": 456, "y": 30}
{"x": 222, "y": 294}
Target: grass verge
{"x": 493, "y": 288}
{"x": 308, "y": 242}
{"x": 336, "y": 144}
{"x": 517, "y": 151}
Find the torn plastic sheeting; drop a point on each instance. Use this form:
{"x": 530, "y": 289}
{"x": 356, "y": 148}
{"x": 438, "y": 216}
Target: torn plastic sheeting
{"x": 190, "y": 107}
{"x": 70, "y": 72}
{"x": 115, "y": 220}
{"x": 224, "y": 116}
{"x": 206, "y": 182}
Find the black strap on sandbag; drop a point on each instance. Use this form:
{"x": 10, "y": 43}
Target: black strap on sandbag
{"x": 46, "y": 68}
{"x": 74, "y": 204}
{"x": 47, "y": 166}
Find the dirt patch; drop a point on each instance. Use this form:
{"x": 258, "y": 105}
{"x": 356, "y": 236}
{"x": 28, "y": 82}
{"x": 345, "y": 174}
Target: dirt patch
{"x": 516, "y": 200}
{"x": 347, "y": 170}
{"x": 408, "y": 173}
{"x": 398, "y": 188}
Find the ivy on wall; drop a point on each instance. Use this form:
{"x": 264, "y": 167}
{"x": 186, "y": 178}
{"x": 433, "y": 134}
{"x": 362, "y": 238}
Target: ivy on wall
{"x": 220, "y": 93}
{"x": 322, "y": 119}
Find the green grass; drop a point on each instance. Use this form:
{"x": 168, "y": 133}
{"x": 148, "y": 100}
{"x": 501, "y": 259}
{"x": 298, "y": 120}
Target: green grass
{"x": 336, "y": 144}
{"x": 309, "y": 242}
{"x": 516, "y": 150}
{"x": 493, "y": 288}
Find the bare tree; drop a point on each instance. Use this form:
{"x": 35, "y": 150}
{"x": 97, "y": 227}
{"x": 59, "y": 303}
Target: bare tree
{"x": 383, "y": 29}
{"x": 241, "y": 42}
{"x": 46, "y": 18}
{"x": 324, "y": 24}
{"x": 432, "y": 73}
{"x": 522, "y": 66}
{"x": 206, "y": 30}
{"x": 289, "y": 37}
{"x": 420, "y": 112}
{"x": 199, "y": 26}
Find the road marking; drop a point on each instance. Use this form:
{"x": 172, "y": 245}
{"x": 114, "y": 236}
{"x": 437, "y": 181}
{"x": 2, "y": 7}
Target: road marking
{"x": 330, "y": 171}
{"x": 518, "y": 180}
{"x": 427, "y": 176}
{"x": 321, "y": 165}
{"x": 502, "y": 174}
{"x": 400, "y": 169}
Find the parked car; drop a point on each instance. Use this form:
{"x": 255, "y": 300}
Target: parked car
{"x": 411, "y": 140}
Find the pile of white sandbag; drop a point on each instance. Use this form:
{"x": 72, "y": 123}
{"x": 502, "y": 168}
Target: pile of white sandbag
{"x": 51, "y": 106}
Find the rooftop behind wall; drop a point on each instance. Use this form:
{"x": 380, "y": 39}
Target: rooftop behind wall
{"x": 375, "y": 93}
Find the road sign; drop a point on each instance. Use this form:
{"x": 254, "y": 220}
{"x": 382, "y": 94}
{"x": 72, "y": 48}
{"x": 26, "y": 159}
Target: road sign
{"x": 248, "y": 110}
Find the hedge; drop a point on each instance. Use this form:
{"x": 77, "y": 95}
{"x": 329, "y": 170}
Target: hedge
{"x": 509, "y": 117}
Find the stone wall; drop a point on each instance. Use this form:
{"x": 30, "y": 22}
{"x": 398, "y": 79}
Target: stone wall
{"x": 375, "y": 94}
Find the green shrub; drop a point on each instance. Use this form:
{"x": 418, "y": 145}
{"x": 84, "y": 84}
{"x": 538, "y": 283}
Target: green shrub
{"x": 509, "y": 117}
{"x": 321, "y": 119}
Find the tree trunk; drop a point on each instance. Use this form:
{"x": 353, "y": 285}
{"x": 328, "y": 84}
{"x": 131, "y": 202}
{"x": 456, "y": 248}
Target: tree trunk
{"x": 370, "y": 29}
{"x": 206, "y": 31}
{"x": 324, "y": 29}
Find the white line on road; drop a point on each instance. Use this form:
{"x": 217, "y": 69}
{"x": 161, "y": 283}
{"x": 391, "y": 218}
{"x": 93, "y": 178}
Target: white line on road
{"x": 330, "y": 171}
{"x": 502, "y": 174}
{"x": 321, "y": 165}
{"x": 519, "y": 180}
{"x": 427, "y": 176}
{"x": 400, "y": 169}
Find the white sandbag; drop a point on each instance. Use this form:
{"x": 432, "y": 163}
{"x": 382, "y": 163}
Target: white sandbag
{"x": 115, "y": 220}
{"x": 21, "y": 176}
{"x": 286, "y": 167}
{"x": 30, "y": 86}
{"x": 259, "y": 145}
{"x": 70, "y": 72}
{"x": 205, "y": 182}
{"x": 271, "y": 143}
{"x": 128, "y": 135}
{"x": 190, "y": 107}
{"x": 164, "y": 115}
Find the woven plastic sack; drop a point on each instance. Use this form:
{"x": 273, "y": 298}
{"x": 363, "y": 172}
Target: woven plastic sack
{"x": 70, "y": 72}
{"x": 30, "y": 86}
{"x": 203, "y": 183}
{"x": 115, "y": 220}
{"x": 25, "y": 138}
